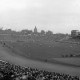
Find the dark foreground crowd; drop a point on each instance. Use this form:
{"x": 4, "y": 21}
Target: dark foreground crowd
{"x": 10, "y": 71}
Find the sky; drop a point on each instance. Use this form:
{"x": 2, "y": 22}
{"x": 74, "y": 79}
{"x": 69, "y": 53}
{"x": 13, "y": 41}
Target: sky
{"x": 59, "y": 16}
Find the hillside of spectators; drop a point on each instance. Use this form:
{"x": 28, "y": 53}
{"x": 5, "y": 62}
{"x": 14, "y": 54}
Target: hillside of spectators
{"x": 9, "y": 71}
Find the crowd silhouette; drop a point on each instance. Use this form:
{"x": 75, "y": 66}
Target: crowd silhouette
{"x": 10, "y": 71}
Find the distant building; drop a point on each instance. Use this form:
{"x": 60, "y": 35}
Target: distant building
{"x": 35, "y": 30}
{"x": 75, "y": 33}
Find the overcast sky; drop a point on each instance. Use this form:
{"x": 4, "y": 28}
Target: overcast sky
{"x": 56, "y": 15}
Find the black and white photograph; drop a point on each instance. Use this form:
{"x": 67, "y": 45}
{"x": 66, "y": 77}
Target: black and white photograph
{"x": 39, "y": 39}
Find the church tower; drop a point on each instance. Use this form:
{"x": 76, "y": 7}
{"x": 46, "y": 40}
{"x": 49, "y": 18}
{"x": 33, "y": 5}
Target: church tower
{"x": 35, "y": 29}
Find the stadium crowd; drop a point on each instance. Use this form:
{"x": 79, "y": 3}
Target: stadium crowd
{"x": 10, "y": 71}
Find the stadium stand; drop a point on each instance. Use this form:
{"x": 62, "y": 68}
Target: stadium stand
{"x": 10, "y": 71}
